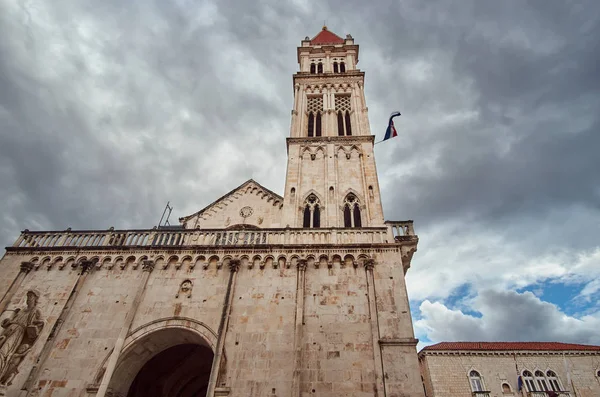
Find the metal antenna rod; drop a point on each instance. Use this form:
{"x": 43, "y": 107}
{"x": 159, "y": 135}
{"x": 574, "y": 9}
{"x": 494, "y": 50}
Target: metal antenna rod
{"x": 167, "y": 207}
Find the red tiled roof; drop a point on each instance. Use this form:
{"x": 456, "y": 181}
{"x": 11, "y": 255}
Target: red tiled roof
{"x": 508, "y": 346}
{"x": 326, "y": 37}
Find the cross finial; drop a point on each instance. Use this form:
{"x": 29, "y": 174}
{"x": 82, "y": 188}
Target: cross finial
{"x": 324, "y": 24}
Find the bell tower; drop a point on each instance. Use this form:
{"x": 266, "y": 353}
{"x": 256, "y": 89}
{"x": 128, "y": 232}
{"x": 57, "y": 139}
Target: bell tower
{"x": 331, "y": 176}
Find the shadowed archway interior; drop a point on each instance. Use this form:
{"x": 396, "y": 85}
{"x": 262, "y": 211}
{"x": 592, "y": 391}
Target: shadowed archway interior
{"x": 179, "y": 371}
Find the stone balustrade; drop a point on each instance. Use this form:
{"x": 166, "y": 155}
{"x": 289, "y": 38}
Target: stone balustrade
{"x": 394, "y": 232}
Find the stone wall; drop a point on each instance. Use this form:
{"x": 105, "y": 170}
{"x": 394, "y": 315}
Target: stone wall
{"x": 347, "y": 308}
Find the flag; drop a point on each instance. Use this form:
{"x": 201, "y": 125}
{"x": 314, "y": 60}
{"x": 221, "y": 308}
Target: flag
{"x": 391, "y": 130}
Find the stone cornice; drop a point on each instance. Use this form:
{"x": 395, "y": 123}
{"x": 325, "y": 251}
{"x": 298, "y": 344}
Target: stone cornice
{"x": 328, "y": 78}
{"x": 398, "y": 342}
{"x": 212, "y": 248}
{"x": 345, "y": 140}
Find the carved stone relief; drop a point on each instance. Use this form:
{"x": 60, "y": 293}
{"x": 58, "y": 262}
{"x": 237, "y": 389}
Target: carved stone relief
{"x": 19, "y": 334}
{"x": 185, "y": 289}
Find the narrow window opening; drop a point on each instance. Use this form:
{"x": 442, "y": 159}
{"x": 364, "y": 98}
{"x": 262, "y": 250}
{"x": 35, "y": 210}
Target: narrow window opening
{"x": 352, "y": 211}
{"x": 306, "y": 222}
{"x": 342, "y": 67}
{"x": 348, "y": 128}
{"x": 318, "y": 129}
{"x": 317, "y": 217}
{"x": 312, "y": 212}
{"x": 340, "y": 120}
{"x": 335, "y": 67}
{"x": 312, "y": 68}
{"x": 347, "y": 217}
{"x": 357, "y": 221}
{"x": 320, "y": 68}
{"x": 311, "y": 124}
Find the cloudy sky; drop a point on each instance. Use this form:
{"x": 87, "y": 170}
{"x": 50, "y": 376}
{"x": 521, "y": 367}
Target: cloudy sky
{"x": 110, "y": 109}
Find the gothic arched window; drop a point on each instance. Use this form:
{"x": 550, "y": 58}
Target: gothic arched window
{"x": 314, "y": 109}
{"x": 528, "y": 380}
{"x": 541, "y": 381}
{"x": 312, "y": 68}
{"x": 335, "y": 67}
{"x": 553, "y": 380}
{"x": 312, "y": 212}
{"x": 342, "y": 67}
{"x": 476, "y": 381}
{"x": 352, "y": 211}
{"x": 343, "y": 106}
{"x": 320, "y": 68}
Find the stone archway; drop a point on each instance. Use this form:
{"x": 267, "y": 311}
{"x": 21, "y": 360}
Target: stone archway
{"x": 166, "y": 358}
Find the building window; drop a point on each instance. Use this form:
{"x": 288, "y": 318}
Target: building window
{"x": 553, "y": 381}
{"x": 335, "y": 67}
{"x": 312, "y": 212}
{"x": 343, "y": 108}
{"x": 476, "y": 381}
{"x": 528, "y": 379}
{"x": 352, "y": 211}
{"x": 541, "y": 381}
{"x": 313, "y": 68}
{"x": 311, "y": 124}
{"x": 342, "y": 67}
{"x": 320, "y": 67}
{"x": 314, "y": 109}
{"x": 506, "y": 388}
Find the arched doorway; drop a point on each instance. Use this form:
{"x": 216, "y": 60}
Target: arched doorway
{"x": 166, "y": 358}
{"x": 179, "y": 371}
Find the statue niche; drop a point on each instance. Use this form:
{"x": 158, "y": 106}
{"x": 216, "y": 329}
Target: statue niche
{"x": 20, "y": 333}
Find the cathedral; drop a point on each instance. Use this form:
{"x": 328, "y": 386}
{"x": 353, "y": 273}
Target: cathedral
{"x": 257, "y": 294}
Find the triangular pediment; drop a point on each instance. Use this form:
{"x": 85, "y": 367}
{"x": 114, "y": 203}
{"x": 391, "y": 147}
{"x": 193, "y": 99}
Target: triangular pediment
{"x": 248, "y": 204}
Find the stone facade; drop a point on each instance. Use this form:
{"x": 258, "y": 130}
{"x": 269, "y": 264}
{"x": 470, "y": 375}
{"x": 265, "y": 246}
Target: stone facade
{"x": 454, "y": 369}
{"x": 254, "y": 295}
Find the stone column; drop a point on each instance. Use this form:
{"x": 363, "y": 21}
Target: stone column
{"x": 147, "y": 268}
{"x": 374, "y": 318}
{"x": 14, "y": 286}
{"x": 29, "y": 386}
{"x": 300, "y": 283}
{"x": 234, "y": 266}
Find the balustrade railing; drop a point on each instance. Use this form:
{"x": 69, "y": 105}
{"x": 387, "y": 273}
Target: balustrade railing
{"x": 393, "y": 232}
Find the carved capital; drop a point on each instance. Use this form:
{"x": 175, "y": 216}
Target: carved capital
{"x": 148, "y": 266}
{"x": 301, "y": 265}
{"x": 369, "y": 264}
{"x": 26, "y": 267}
{"x": 234, "y": 265}
{"x": 86, "y": 265}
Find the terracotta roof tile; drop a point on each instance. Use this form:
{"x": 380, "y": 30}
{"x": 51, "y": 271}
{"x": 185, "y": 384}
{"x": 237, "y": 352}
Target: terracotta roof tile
{"x": 326, "y": 37}
{"x": 509, "y": 346}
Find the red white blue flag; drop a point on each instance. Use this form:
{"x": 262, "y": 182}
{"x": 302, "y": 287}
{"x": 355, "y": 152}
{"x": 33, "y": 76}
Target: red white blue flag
{"x": 391, "y": 130}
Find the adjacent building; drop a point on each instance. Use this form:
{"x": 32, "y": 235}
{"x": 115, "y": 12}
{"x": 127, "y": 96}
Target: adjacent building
{"x": 501, "y": 369}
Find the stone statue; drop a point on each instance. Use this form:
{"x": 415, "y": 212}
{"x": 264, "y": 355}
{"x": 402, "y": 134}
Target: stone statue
{"x": 185, "y": 288}
{"x": 20, "y": 333}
